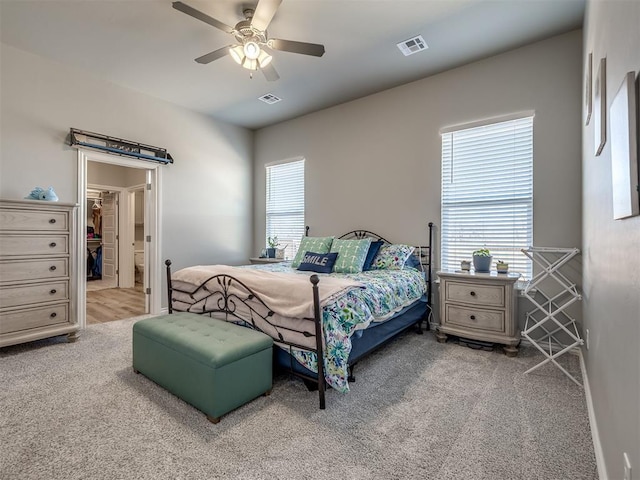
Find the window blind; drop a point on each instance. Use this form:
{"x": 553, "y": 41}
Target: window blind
{"x": 487, "y": 193}
{"x": 285, "y": 205}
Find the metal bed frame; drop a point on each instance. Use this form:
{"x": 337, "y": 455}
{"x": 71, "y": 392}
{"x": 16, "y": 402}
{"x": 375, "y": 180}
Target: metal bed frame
{"x": 232, "y": 293}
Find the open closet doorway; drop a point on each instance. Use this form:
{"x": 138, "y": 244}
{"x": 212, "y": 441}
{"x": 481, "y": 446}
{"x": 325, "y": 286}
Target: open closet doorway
{"x": 118, "y": 226}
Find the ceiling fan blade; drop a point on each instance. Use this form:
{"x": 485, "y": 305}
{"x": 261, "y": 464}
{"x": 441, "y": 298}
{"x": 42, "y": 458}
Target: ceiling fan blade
{"x": 184, "y": 8}
{"x": 297, "y": 47}
{"x": 264, "y": 13}
{"x": 215, "y": 55}
{"x": 270, "y": 73}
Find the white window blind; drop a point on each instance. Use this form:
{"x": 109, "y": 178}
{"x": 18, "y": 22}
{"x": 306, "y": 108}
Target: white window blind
{"x": 285, "y": 205}
{"x": 487, "y": 193}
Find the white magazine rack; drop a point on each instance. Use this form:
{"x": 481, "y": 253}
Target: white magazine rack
{"x": 549, "y": 319}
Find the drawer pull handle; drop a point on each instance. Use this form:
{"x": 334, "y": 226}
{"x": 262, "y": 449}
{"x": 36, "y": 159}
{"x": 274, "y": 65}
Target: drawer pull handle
{"x": 52, "y": 244}
{"x": 52, "y": 220}
{"x": 53, "y": 315}
{"x": 52, "y": 268}
{"x": 473, "y": 294}
{"x": 53, "y": 291}
{"x": 472, "y": 317}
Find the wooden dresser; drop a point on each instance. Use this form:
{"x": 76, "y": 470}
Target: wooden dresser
{"x": 37, "y": 254}
{"x": 479, "y": 306}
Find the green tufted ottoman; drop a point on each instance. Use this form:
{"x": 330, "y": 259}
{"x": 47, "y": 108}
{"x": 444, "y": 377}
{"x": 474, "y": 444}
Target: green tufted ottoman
{"x": 214, "y": 365}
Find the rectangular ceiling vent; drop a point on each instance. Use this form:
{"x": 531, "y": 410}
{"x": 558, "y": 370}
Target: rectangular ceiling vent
{"x": 269, "y": 98}
{"x": 413, "y": 45}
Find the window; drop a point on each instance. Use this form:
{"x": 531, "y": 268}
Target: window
{"x": 285, "y": 205}
{"x": 487, "y": 193}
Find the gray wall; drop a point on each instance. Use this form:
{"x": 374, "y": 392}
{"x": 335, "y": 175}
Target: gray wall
{"x": 374, "y": 163}
{"x": 611, "y": 305}
{"x": 105, "y": 174}
{"x": 207, "y": 200}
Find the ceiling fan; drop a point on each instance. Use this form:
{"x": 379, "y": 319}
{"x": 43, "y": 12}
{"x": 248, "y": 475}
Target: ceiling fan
{"x": 251, "y": 34}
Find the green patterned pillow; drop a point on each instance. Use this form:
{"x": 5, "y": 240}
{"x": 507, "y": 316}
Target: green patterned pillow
{"x": 311, "y": 244}
{"x": 351, "y": 254}
{"x": 392, "y": 257}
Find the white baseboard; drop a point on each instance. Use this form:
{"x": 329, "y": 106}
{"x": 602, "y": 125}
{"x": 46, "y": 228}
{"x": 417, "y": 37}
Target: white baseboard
{"x": 597, "y": 446}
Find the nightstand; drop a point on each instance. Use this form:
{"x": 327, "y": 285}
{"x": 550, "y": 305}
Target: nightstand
{"x": 480, "y": 306}
{"x": 266, "y": 260}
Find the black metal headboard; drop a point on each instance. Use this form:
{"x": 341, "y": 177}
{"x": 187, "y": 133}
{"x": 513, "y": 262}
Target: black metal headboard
{"x": 424, "y": 253}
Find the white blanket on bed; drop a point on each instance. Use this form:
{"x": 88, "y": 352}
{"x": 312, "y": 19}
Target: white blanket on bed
{"x": 287, "y": 294}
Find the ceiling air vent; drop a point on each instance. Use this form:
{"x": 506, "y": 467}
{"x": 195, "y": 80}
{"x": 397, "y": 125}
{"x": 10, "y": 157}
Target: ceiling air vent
{"x": 269, "y": 98}
{"x": 413, "y": 45}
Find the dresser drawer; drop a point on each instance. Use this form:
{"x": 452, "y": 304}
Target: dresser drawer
{"x": 25, "y": 270}
{"x": 23, "y": 219}
{"x": 18, "y": 245}
{"x": 478, "y": 319}
{"x": 490, "y": 295}
{"x": 33, "y": 318}
{"x": 32, "y": 294}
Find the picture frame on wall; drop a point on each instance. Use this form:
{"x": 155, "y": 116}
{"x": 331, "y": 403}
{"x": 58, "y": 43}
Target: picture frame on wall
{"x": 624, "y": 149}
{"x": 588, "y": 94}
{"x": 600, "y": 107}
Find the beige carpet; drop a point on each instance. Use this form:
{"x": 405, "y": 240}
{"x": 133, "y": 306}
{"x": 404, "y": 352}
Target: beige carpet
{"x": 419, "y": 410}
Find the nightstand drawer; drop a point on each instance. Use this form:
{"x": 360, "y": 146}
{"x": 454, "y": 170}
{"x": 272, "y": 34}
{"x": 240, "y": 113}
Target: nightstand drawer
{"x": 478, "y": 319}
{"x": 490, "y": 295}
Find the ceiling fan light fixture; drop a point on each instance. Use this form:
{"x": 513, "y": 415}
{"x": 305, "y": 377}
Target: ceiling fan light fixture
{"x": 251, "y": 50}
{"x": 237, "y": 53}
{"x": 264, "y": 59}
{"x": 250, "y": 63}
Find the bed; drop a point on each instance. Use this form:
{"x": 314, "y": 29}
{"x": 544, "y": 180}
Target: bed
{"x": 338, "y": 317}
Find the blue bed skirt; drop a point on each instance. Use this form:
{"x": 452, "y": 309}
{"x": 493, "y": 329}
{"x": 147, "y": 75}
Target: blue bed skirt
{"x": 363, "y": 341}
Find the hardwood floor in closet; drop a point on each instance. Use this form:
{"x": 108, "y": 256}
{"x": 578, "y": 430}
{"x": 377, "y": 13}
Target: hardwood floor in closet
{"x": 113, "y": 304}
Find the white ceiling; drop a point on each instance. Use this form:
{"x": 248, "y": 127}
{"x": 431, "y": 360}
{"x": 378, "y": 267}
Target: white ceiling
{"x": 148, "y": 46}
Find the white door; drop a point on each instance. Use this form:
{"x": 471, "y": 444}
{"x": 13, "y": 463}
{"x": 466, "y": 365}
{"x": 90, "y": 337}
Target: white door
{"x": 110, "y": 239}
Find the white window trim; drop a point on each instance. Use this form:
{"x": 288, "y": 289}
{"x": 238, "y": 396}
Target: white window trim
{"x": 467, "y": 192}
{"x": 291, "y": 244}
{"x": 488, "y": 121}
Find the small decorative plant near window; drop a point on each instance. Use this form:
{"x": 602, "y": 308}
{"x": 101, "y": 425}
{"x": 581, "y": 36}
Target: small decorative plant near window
{"x": 273, "y": 244}
{"x": 482, "y": 260}
{"x": 502, "y": 267}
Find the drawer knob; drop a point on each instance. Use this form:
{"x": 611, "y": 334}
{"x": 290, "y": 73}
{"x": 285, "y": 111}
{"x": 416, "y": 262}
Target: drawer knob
{"x": 53, "y": 291}
{"x": 52, "y": 268}
{"x": 473, "y": 294}
{"x": 52, "y": 244}
{"x": 53, "y": 315}
{"x": 472, "y": 317}
{"x": 52, "y": 220}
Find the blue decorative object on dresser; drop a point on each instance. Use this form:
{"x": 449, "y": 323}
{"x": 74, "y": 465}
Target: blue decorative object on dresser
{"x": 40, "y": 193}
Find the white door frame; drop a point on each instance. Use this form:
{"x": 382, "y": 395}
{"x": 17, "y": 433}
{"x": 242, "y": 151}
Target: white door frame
{"x": 151, "y": 220}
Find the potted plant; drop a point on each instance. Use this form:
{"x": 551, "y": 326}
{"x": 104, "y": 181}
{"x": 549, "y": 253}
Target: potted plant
{"x": 482, "y": 260}
{"x": 502, "y": 267}
{"x": 273, "y": 244}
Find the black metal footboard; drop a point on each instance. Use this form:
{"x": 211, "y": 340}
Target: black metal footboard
{"x": 224, "y": 296}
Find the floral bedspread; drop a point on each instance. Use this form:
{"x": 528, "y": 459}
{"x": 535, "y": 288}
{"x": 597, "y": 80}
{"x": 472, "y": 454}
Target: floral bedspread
{"x": 386, "y": 293}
